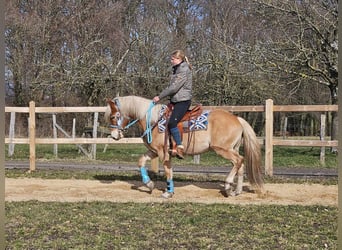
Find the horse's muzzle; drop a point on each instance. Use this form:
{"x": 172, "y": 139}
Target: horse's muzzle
{"x": 116, "y": 134}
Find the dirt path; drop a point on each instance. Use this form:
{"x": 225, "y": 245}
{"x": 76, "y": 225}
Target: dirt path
{"x": 132, "y": 191}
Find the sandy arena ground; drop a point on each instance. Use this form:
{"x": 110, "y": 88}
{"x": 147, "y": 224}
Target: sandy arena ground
{"x": 25, "y": 189}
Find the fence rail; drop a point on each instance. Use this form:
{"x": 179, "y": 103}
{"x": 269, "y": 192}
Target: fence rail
{"x": 268, "y": 141}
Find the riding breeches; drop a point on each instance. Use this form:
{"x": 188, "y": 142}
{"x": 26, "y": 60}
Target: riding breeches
{"x": 178, "y": 112}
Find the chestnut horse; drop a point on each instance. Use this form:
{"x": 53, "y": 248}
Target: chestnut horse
{"x": 224, "y": 134}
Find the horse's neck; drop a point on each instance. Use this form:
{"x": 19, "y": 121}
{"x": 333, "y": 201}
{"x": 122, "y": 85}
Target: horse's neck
{"x": 139, "y": 108}
{"x": 128, "y": 107}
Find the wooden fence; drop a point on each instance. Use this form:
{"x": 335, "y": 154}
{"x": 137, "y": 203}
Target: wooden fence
{"x": 268, "y": 141}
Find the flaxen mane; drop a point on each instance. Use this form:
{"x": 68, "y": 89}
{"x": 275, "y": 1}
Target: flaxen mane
{"x": 135, "y": 107}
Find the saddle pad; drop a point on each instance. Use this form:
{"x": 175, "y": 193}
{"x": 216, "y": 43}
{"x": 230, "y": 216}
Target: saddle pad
{"x": 200, "y": 123}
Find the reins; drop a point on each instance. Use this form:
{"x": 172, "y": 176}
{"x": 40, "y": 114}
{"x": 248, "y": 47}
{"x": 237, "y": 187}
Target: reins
{"x": 149, "y": 128}
{"x": 148, "y": 131}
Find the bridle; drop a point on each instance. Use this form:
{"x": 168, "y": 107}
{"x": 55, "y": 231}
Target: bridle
{"x": 123, "y": 123}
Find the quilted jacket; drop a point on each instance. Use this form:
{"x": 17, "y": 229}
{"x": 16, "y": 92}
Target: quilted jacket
{"x": 180, "y": 86}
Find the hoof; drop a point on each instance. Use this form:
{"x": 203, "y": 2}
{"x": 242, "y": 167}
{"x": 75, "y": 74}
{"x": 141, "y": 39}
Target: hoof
{"x": 150, "y": 185}
{"x": 232, "y": 193}
{"x": 237, "y": 192}
{"x": 167, "y": 195}
{"x": 229, "y": 192}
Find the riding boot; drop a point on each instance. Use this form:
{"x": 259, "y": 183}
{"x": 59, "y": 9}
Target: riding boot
{"x": 177, "y": 137}
{"x": 180, "y": 151}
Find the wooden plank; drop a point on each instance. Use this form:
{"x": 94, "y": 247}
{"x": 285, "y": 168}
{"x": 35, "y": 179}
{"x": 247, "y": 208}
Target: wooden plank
{"x": 87, "y": 141}
{"x": 304, "y": 108}
{"x": 17, "y": 140}
{"x": 109, "y": 140}
{"x": 237, "y": 108}
{"x": 308, "y": 143}
{"x": 70, "y": 109}
{"x": 259, "y": 108}
{"x": 17, "y": 109}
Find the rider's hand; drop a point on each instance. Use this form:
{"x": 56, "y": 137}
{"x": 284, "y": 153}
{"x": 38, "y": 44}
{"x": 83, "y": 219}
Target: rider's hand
{"x": 156, "y": 99}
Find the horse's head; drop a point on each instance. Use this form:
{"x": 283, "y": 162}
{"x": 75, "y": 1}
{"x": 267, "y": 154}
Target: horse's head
{"x": 122, "y": 110}
{"x": 117, "y": 121}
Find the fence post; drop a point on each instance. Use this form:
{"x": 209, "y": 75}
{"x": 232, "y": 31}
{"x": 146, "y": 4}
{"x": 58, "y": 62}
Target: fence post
{"x": 32, "y": 135}
{"x": 11, "y": 134}
{"x": 269, "y": 138}
{"x": 322, "y": 135}
{"x": 73, "y": 132}
{"x": 285, "y": 128}
{"x": 197, "y": 159}
{"x": 54, "y": 131}
{"x": 93, "y": 146}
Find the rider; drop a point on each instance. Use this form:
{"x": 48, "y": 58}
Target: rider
{"x": 179, "y": 91}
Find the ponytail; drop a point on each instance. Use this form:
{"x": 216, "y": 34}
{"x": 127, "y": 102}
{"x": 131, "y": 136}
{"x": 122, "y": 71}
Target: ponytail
{"x": 180, "y": 54}
{"x": 187, "y": 61}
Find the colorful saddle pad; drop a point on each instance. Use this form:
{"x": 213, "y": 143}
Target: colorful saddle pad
{"x": 200, "y": 123}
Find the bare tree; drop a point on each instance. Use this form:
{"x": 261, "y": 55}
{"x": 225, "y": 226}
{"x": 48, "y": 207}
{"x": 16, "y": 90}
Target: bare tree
{"x": 243, "y": 52}
{"x": 305, "y": 46}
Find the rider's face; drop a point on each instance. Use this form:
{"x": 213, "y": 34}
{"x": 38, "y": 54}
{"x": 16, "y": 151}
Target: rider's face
{"x": 175, "y": 61}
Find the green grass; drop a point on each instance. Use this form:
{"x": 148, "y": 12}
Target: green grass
{"x": 105, "y": 225}
{"x": 303, "y": 157}
{"x": 307, "y": 157}
{"x": 107, "y": 175}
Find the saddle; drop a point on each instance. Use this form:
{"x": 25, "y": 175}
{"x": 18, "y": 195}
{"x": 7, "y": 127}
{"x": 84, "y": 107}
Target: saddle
{"x": 189, "y": 115}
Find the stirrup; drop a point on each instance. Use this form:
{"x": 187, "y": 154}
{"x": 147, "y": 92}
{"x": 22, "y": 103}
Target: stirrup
{"x": 180, "y": 151}
{"x": 173, "y": 152}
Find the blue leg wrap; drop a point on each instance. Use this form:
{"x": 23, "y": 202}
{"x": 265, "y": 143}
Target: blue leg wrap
{"x": 144, "y": 175}
{"x": 170, "y": 186}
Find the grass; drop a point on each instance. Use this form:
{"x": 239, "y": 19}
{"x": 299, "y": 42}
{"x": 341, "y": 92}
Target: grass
{"x": 105, "y": 225}
{"x": 107, "y": 175}
{"x": 306, "y": 157}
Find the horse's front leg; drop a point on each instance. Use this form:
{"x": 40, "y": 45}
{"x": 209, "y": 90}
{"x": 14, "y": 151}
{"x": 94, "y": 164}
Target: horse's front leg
{"x": 143, "y": 170}
{"x": 169, "y": 180}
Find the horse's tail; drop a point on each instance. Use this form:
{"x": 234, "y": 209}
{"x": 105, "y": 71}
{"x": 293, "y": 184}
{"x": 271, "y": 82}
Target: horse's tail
{"x": 252, "y": 154}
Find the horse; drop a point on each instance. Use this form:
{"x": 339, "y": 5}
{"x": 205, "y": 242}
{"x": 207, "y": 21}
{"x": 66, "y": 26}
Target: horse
{"x": 224, "y": 133}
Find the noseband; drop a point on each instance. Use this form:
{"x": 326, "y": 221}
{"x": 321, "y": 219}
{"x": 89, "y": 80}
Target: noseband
{"x": 119, "y": 119}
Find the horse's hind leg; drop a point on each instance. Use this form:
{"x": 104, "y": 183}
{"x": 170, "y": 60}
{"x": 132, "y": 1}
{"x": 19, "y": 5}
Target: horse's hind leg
{"x": 238, "y": 189}
{"x": 169, "y": 180}
{"x": 143, "y": 171}
{"x": 237, "y": 161}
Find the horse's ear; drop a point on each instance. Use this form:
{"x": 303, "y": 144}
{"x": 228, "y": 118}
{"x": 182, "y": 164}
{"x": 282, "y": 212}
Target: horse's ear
{"x": 108, "y": 100}
{"x": 111, "y": 104}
